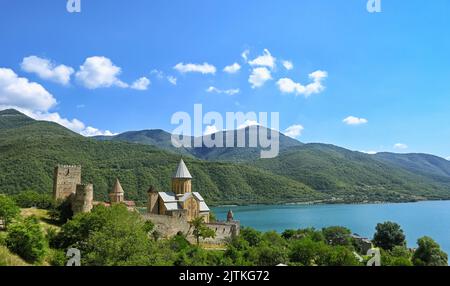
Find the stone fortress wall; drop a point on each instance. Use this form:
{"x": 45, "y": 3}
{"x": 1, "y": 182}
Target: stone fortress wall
{"x": 67, "y": 186}
{"x": 169, "y": 226}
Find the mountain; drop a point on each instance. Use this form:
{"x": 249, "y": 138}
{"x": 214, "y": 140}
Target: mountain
{"x": 427, "y": 165}
{"x": 302, "y": 172}
{"x": 30, "y": 150}
{"x": 162, "y": 140}
{"x": 353, "y": 175}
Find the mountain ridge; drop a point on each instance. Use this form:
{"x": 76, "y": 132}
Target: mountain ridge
{"x": 301, "y": 173}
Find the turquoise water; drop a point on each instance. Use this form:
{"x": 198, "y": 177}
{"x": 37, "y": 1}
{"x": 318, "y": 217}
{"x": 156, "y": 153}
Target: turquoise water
{"x": 417, "y": 219}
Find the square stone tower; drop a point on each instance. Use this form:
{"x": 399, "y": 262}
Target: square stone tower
{"x": 65, "y": 181}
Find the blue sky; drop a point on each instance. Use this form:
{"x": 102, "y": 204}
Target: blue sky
{"x": 386, "y": 73}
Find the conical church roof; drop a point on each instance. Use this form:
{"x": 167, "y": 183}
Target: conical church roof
{"x": 182, "y": 171}
{"x": 117, "y": 188}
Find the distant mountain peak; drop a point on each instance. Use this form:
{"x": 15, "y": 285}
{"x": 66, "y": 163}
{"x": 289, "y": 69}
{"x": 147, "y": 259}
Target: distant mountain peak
{"x": 10, "y": 112}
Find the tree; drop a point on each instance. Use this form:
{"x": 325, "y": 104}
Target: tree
{"x": 429, "y": 253}
{"x": 252, "y": 236}
{"x": 338, "y": 256}
{"x": 388, "y": 235}
{"x": 108, "y": 236}
{"x": 337, "y": 235}
{"x": 306, "y": 252}
{"x": 31, "y": 199}
{"x": 8, "y": 210}
{"x": 201, "y": 230}
{"x": 27, "y": 239}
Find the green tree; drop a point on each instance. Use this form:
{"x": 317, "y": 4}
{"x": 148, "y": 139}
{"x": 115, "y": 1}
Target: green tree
{"x": 306, "y": 252}
{"x": 8, "y": 210}
{"x": 201, "y": 230}
{"x": 252, "y": 236}
{"x": 27, "y": 239}
{"x": 108, "y": 237}
{"x": 337, "y": 256}
{"x": 388, "y": 235}
{"x": 61, "y": 211}
{"x": 31, "y": 199}
{"x": 429, "y": 253}
{"x": 337, "y": 235}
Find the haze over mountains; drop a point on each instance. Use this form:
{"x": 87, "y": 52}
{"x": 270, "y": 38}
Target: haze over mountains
{"x": 301, "y": 173}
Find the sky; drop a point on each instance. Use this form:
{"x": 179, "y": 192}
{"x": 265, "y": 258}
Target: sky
{"x": 336, "y": 73}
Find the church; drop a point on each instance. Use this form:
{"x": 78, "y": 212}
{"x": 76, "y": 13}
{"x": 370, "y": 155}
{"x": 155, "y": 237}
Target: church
{"x": 181, "y": 201}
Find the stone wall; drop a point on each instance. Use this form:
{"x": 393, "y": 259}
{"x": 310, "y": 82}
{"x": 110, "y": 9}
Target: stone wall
{"x": 65, "y": 180}
{"x": 82, "y": 201}
{"x": 169, "y": 226}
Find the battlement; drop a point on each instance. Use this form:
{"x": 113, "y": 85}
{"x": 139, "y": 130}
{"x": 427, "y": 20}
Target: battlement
{"x": 68, "y": 166}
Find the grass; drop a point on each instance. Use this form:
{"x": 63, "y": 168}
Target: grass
{"x": 9, "y": 259}
{"x": 42, "y": 215}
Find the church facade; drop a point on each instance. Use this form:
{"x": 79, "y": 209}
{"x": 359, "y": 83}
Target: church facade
{"x": 181, "y": 201}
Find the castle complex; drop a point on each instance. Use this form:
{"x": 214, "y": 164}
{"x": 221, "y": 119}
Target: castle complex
{"x": 171, "y": 212}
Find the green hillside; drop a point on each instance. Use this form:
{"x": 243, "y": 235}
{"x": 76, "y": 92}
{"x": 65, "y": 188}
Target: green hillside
{"x": 425, "y": 164}
{"x": 30, "y": 151}
{"x": 353, "y": 175}
{"x": 302, "y": 172}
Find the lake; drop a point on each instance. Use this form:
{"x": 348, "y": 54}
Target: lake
{"x": 431, "y": 218}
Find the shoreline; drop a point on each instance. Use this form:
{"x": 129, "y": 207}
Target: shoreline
{"x": 328, "y": 203}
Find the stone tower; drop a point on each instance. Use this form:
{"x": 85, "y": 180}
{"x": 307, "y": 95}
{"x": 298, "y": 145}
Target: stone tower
{"x": 65, "y": 181}
{"x": 152, "y": 204}
{"x": 117, "y": 195}
{"x": 181, "y": 180}
{"x": 83, "y": 198}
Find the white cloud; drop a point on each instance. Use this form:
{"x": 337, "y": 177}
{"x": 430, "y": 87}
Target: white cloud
{"x": 172, "y": 79}
{"x": 234, "y": 68}
{"x": 352, "y": 120}
{"x": 204, "y": 68}
{"x": 400, "y": 146}
{"x": 245, "y": 54}
{"x": 287, "y": 85}
{"x": 91, "y": 131}
{"x": 141, "y": 84}
{"x": 20, "y": 92}
{"x": 448, "y": 158}
{"x": 259, "y": 76}
{"x": 294, "y": 131}
{"x": 159, "y": 74}
{"x": 288, "y": 65}
{"x": 248, "y": 123}
{"x": 210, "y": 129}
{"x": 97, "y": 72}
{"x": 35, "y": 101}
{"x": 265, "y": 60}
{"x": 213, "y": 89}
{"x": 370, "y": 152}
{"x": 74, "y": 124}
{"x": 47, "y": 70}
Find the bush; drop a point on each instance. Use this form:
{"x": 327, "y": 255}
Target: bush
{"x": 110, "y": 236}
{"x": 61, "y": 212}
{"x": 429, "y": 253}
{"x": 27, "y": 239}
{"x": 8, "y": 210}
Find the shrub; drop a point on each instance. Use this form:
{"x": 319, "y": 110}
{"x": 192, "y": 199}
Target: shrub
{"x": 26, "y": 238}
